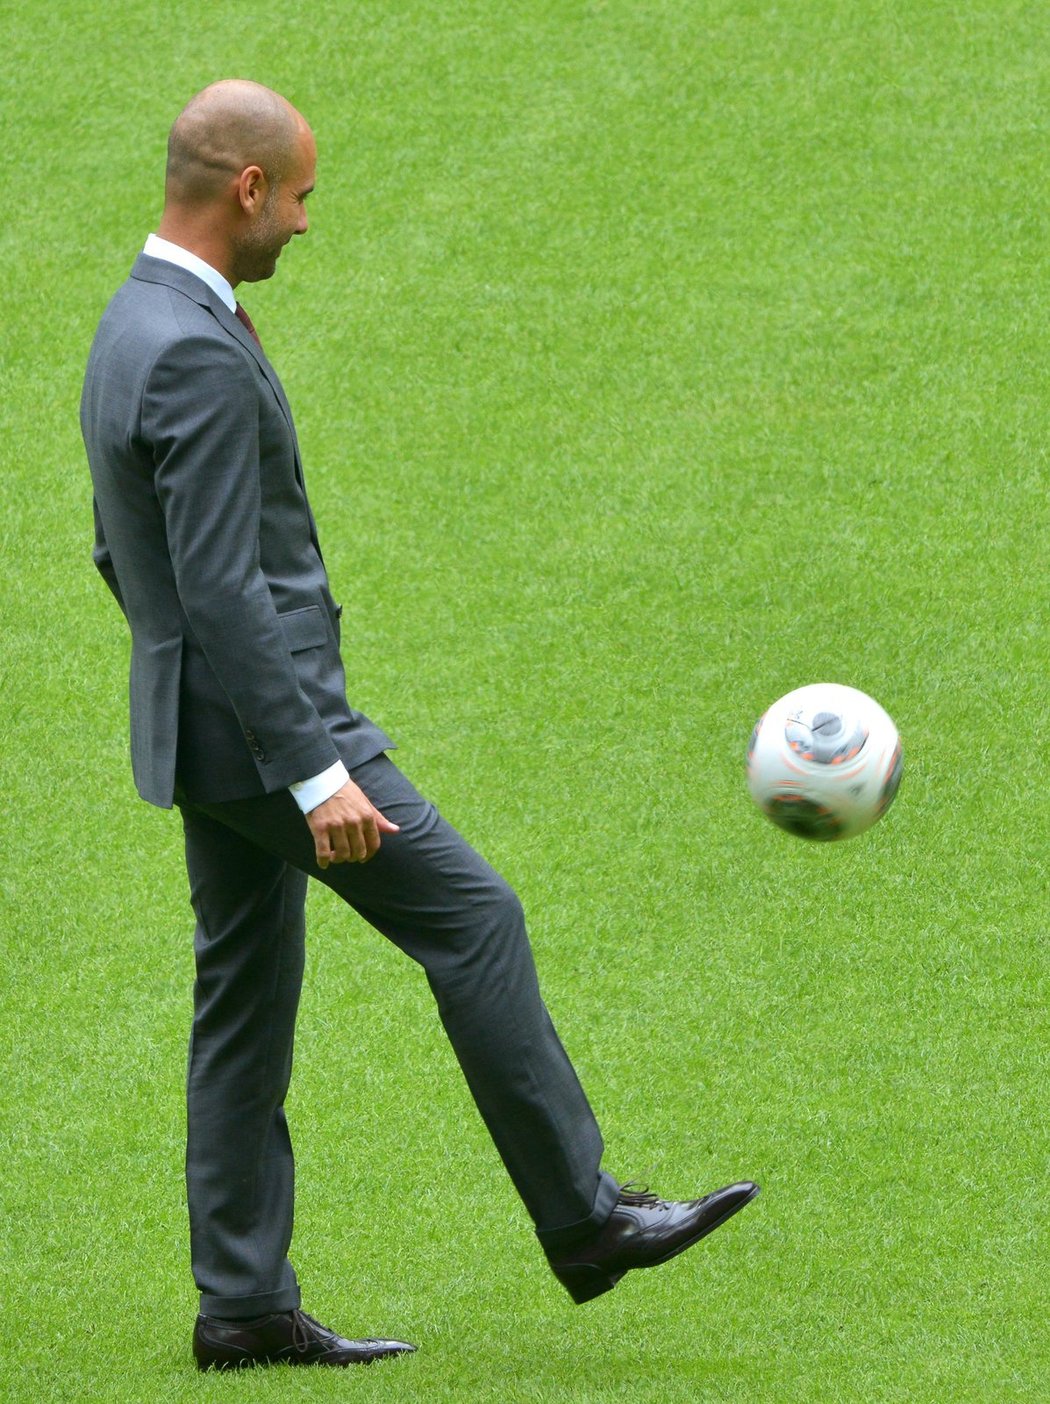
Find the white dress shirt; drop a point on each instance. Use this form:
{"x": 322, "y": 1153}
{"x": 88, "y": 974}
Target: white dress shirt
{"x": 308, "y": 794}
{"x": 157, "y": 247}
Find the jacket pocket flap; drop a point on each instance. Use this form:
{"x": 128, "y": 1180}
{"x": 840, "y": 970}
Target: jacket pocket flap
{"x": 304, "y": 628}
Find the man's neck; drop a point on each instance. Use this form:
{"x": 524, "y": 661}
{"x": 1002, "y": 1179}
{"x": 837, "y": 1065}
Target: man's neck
{"x": 157, "y": 246}
{"x": 199, "y": 240}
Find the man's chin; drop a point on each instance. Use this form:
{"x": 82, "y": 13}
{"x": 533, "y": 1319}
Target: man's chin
{"x": 256, "y": 265}
{"x": 260, "y": 275}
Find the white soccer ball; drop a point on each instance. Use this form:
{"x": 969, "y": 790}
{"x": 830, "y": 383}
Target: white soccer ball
{"x": 824, "y": 762}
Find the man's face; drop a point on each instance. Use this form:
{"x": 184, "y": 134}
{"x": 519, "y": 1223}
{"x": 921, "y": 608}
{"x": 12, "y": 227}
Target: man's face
{"x": 282, "y": 215}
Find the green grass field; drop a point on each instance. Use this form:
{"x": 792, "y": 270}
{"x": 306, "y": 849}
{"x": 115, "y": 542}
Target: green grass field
{"x": 649, "y": 359}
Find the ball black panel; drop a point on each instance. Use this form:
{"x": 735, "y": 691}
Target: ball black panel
{"x": 804, "y": 818}
{"x": 892, "y": 782}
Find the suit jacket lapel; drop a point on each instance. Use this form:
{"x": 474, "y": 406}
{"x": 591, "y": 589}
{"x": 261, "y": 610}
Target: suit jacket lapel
{"x": 158, "y": 270}
{"x": 231, "y": 323}
{"x": 236, "y": 328}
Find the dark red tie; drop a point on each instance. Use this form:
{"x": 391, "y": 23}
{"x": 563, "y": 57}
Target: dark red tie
{"x": 246, "y": 321}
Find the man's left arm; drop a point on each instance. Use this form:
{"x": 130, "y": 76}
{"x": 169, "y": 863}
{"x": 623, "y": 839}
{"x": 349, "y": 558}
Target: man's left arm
{"x": 104, "y": 561}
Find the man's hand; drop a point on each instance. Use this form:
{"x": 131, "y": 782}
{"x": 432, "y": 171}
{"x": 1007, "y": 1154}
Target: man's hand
{"x": 346, "y": 828}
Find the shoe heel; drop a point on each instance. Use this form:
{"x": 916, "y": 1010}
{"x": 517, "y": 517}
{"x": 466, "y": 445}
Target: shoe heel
{"x": 584, "y": 1282}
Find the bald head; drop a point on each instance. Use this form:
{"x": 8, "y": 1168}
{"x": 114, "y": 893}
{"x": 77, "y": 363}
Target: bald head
{"x": 241, "y": 162}
{"x": 226, "y": 128}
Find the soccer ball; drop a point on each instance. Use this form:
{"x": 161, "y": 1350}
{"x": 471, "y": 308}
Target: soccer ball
{"x": 824, "y": 762}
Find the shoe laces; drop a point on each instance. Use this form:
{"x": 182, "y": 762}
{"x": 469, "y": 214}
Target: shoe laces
{"x": 304, "y": 1330}
{"x": 640, "y": 1196}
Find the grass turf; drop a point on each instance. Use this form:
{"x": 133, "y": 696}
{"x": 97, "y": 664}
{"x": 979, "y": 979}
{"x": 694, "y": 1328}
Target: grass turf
{"x": 649, "y": 360}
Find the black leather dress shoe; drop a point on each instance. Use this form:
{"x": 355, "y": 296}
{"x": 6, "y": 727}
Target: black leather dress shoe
{"x": 642, "y": 1232}
{"x": 288, "y": 1337}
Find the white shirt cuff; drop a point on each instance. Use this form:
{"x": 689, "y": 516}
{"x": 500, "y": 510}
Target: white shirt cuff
{"x": 308, "y": 794}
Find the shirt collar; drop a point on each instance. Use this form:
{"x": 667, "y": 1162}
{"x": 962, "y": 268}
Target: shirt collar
{"x": 164, "y": 249}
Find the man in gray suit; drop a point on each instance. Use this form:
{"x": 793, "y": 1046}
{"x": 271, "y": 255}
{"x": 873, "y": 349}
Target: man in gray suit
{"x": 239, "y": 716}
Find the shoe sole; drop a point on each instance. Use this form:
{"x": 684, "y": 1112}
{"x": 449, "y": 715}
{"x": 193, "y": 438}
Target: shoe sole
{"x": 267, "y": 1362}
{"x": 584, "y": 1282}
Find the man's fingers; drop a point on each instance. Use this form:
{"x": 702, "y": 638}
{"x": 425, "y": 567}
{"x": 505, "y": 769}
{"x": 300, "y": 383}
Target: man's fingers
{"x": 374, "y": 825}
{"x": 354, "y": 842}
{"x": 385, "y": 825}
{"x": 331, "y": 846}
{"x": 348, "y": 833}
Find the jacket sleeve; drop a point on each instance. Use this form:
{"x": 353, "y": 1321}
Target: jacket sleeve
{"x": 200, "y": 416}
{"x": 103, "y": 560}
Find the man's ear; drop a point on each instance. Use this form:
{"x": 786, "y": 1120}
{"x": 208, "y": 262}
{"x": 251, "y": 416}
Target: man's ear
{"x": 252, "y": 188}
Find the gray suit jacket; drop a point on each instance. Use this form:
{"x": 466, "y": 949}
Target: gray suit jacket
{"x": 205, "y": 536}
